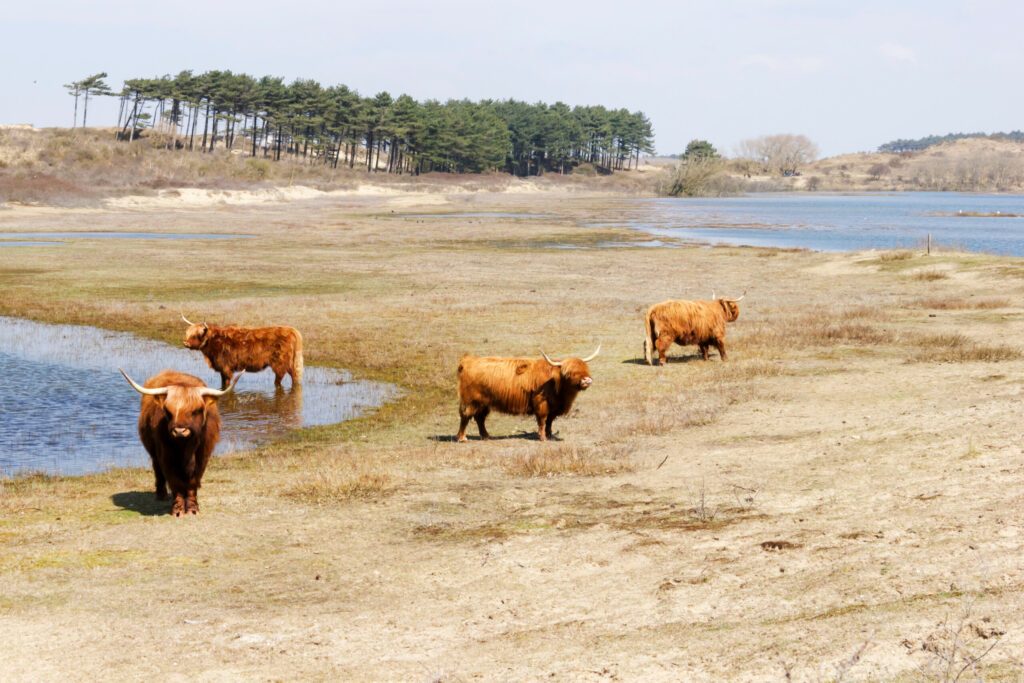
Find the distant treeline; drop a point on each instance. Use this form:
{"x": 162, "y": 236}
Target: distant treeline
{"x": 336, "y": 126}
{"x": 897, "y": 146}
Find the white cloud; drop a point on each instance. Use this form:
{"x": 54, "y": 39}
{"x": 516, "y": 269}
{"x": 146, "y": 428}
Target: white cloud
{"x": 898, "y": 53}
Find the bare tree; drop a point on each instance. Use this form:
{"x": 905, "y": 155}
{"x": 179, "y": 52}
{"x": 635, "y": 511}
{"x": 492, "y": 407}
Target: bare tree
{"x": 783, "y": 154}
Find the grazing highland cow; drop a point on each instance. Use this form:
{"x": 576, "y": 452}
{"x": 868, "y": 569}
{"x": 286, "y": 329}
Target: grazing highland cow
{"x": 519, "y": 386}
{"x": 252, "y": 349}
{"x": 688, "y": 322}
{"x": 179, "y": 425}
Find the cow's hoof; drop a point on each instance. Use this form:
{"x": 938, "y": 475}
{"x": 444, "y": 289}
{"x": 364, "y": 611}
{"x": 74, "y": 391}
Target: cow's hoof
{"x": 461, "y": 439}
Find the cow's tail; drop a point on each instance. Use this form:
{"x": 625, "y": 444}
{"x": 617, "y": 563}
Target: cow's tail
{"x": 297, "y": 365}
{"x": 650, "y": 334}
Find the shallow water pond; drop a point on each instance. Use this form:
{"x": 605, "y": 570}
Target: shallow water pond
{"x": 831, "y": 222}
{"x": 65, "y": 408}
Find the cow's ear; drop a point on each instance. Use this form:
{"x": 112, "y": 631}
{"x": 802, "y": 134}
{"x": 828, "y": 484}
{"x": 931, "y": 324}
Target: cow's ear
{"x": 521, "y": 368}
{"x": 210, "y": 401}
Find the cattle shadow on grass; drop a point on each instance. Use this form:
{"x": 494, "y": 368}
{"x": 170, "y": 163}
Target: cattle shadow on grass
{"x": 672, "y": 360}
{"x": 522, "y": 436}
{"x": 142, "y": 502}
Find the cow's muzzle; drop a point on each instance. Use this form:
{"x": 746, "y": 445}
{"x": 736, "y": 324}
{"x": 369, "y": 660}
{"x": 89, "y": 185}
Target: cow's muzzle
{"x": 586, "y": 382}
{"x": 181, "y": 432}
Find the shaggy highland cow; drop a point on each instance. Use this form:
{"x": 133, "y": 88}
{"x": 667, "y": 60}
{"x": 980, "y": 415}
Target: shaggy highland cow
{"x": 252, "y": 349}
{"x": 179, "y": 425}
{"x": 688, "y": 322}
{"x": 541, "y": 387}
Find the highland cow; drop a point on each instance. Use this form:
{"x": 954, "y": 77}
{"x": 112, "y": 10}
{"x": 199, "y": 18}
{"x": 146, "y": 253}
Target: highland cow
{"x": 541, "y": 387}
{"x": 179, "y": 425}
{"x": 688, "y": 322}
{"x": 252, "y": 349}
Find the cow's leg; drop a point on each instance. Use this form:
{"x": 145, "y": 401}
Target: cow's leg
{"x": 480, "y": 417}
{"x": 178, "y": 509}
{"x": 161, "y": 482}
{"x": 192, "y": 502}
{"x": 720, "y": 345}
{"x": 663, "y": 344}
{"x": 547, "y": 425}
{"x": 279, "y": 372}
{"x": 703, "y": 346}
{"x": 542, "y": 425}
{"x": 465, "y": 414}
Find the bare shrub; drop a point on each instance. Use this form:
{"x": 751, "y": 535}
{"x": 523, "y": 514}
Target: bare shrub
{"x": 783, "y": 154}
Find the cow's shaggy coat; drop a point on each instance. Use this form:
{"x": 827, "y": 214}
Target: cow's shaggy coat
{"x": 231, "y": 349}
{"x": 518, "y": 386}
{"x": 179, "y": 431}
{"x": 688, "y": 322}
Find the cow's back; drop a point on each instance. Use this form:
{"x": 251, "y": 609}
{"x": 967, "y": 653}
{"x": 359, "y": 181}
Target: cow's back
{"x": 690, "y": 322}
{"x": 505, "y": 384}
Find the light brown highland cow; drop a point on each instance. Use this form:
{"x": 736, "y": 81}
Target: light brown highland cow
{"x": 688, "y": 322}
{"x": 231, "y": 349}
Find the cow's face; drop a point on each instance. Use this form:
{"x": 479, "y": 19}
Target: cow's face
{"x": 576, "y": 372}
{"x": 196, "y": 336}
{"x": 732, "y": 309}
{"x": 185, "y": 411}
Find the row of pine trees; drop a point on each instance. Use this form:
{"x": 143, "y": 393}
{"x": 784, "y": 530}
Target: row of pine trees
{"x": 336, "y": 126}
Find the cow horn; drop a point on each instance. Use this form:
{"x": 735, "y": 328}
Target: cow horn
{"x": 557, "y": 364}
{"x": 187, "y": 321}
{"x": 207, "y": 391}
{"x": 741, "y": 297}
{"x": 712, "y": 295}
{"x": 593, "y": 355}
{"x": 160, "y": 391}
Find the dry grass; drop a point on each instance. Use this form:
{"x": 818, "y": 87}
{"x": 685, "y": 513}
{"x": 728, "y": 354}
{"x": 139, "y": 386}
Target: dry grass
{"x": 569, "y": 459}
{"x": 378, "y": 550}
{"x": 899, "y": 255}
{"x": 332, "y": 486}
{"x": 957, "y": 348}
{"x": 929, "y": 276}
{"x": 960, "y": 303}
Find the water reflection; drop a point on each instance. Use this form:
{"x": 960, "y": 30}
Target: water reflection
{"x": 66, "y": 410}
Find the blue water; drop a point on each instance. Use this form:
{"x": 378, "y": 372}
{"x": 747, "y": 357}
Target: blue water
{"x": 826, "y": 222}
{"x": 65, "y": 409}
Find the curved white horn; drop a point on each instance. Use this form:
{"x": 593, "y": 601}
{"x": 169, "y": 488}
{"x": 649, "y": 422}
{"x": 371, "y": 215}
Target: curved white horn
{"x": 741, "y": 298}
{"x": 593, "y": 355}
{"x": 712, "y": 295}
{"x": 207, "y": 391}
{"x": 187, "y": 321}
{"x": 160, "y": 391}
{"x": 557, "y": 364}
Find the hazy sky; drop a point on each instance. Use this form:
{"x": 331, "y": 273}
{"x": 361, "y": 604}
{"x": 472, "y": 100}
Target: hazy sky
{"x": 850, "y": 75}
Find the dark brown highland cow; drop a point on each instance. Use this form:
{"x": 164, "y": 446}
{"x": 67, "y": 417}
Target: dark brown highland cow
{"x": 252, "y": 349}
{"x": 688, "y": 322}
{"x": 541, "y": 387}
{"x": 179, "y": 425}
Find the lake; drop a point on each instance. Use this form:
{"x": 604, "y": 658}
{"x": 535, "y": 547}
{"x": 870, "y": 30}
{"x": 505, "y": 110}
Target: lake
{"x": 67, "y": 410}
{"x": 830, "y": 222}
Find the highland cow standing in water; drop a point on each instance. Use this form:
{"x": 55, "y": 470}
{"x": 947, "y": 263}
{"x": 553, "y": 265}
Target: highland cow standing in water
{"x": 541, "y": 387}
{"x": 179, "y": 425}
{"x": 252, "y": 349}
{"x": 688, "y": 322}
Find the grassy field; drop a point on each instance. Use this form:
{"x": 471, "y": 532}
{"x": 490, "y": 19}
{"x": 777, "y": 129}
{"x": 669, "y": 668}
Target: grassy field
{"x": 841, "y": 500}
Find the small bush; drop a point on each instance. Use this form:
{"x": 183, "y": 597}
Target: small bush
{"x": 929, "y": 275}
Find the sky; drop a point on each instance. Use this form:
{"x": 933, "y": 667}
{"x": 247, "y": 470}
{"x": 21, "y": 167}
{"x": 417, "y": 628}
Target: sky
{"x": 849, "y": 75}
